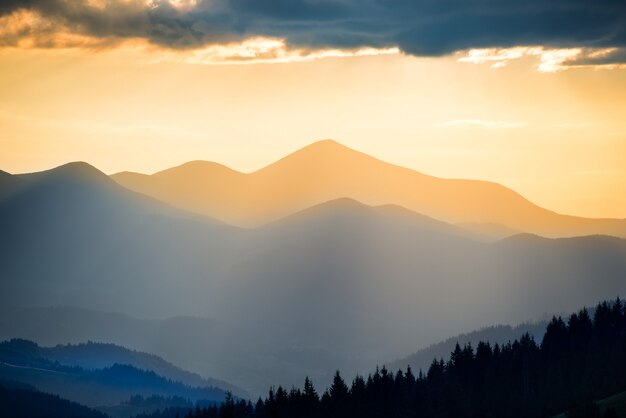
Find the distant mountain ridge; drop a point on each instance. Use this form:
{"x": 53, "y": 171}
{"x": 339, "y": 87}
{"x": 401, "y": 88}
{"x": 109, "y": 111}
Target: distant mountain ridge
{"x": 24, "y": 361}
{"x": 61, "y": 333}
{"x": 327, "y": 170}
{"x": 93, "y": 355}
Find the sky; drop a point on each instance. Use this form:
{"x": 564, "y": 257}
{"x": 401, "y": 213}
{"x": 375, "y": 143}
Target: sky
{"x": 529, "y": 95}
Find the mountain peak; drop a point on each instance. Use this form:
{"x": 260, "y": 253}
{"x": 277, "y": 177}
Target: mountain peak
{"x": 318, "y": 155}
{"x": 340, "y": 208}
{"x": 74, "y": 171}
{"x": 80, "y": 169}
{"x": 198, "y": 167}
{"x": 341, "y": 204}
{"x": 76, "y": 166}
{"x": 326, "y": 145}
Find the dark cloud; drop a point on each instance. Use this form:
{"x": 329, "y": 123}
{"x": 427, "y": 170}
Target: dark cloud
{"x": 421, "y": 27}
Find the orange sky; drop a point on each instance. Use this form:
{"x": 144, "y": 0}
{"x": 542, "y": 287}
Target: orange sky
{"x": 556, "y": 135}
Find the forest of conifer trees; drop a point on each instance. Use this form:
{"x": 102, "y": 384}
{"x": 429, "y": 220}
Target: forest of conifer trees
{"x": 581, "y": 359}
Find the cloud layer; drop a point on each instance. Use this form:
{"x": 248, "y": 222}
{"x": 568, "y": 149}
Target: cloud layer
{"x": 419, "y": 27}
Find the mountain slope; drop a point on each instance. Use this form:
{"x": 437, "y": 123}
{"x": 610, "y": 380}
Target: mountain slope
{"x": 72, "y": 234}
{"x": 499, "y": 334}
{"x": 327, "y": 170}
{"x": 615, "y": 403}
{"x": 8, "y": 184}
{"x": 27, "y": 403}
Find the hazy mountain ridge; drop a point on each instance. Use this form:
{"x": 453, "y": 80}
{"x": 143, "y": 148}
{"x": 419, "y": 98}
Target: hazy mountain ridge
{"x": 66, "y": 329}
{"x": 93, "y": 355}
{"x": 24, "y": 361}
{"x": 382, "y": 281}
{"x": 327, "y": 170}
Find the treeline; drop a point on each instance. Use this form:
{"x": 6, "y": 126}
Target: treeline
{"x": 580, "y": 359}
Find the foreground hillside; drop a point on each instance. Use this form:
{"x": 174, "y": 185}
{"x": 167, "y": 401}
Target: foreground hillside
{"x": 327, "y": 170}
{"x": 340, "y": 283}
{"x": 580, "y": 359}
{"x": 24, "y": 402}
{"x": 499, "y": 334}
{"x": 611, "y": 407}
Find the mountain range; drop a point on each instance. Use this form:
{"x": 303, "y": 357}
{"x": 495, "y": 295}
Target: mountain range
{"x": 333, "y": 284}
{"x": 327, "y": 170}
